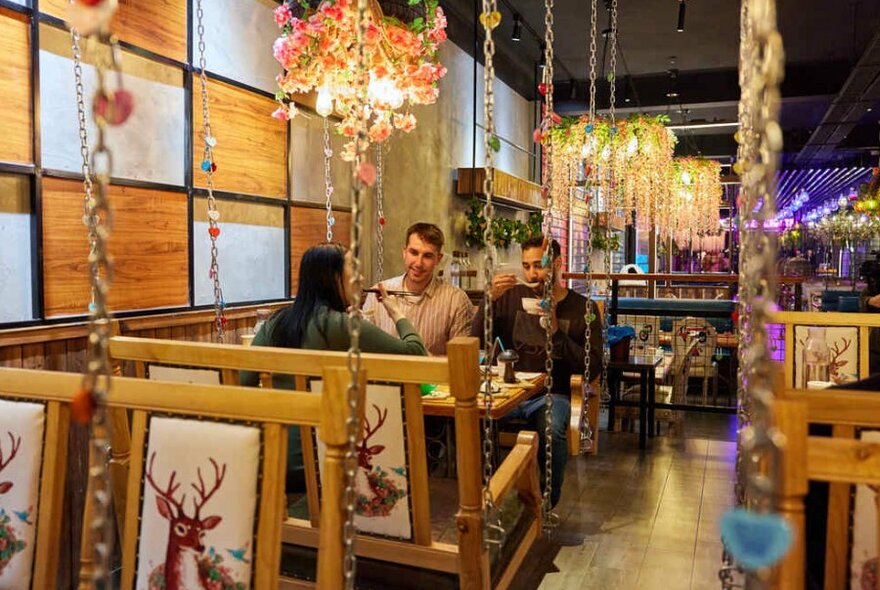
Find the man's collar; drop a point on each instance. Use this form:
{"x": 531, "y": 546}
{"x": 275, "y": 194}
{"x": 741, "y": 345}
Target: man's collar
{"x": 429, "y": 290}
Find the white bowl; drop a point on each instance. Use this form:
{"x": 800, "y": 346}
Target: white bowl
{"x": 532, "y": 305}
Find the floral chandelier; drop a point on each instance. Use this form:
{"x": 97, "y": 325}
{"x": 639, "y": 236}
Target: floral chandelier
{"x": 693, "y": 210}
{"x": 317, "y": 49}
{"x": 633, "y": 159}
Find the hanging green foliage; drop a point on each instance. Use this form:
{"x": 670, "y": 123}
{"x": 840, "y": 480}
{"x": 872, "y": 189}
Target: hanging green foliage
{"x": 504, "y": 231}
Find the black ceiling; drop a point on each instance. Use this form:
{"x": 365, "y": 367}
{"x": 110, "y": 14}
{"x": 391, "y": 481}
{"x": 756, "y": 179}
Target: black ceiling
{"x": 831, "y": 89}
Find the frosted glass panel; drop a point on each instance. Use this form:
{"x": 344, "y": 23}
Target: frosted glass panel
{"x": 307, "y": 162}
{"x": 238, "y": 41}
{"x": 15, "y": 254}
{"x": 250, "y": 249}
{"x": 149, "y": 146}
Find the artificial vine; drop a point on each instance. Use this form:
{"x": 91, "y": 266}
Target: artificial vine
{"x": 504, "y": 231}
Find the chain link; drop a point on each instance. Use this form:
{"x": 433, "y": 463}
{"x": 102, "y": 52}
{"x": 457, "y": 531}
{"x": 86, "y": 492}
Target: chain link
{"x": 761, "y": 71}
{"x": 97, "y": 380}
{"x": 355, "y": 319}
{"x": 328, "y": 181}
{"x": 86, "y": 168}
{"x": 208, "y": 166}
{"x": 549, "y": 520}
{"x": 380, "y": 213}
{"x": 493, "y": 532}
{"x": 585, "y": 429}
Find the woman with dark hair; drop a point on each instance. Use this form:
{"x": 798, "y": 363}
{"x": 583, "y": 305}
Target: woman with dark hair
{"x": 317, "y": 320}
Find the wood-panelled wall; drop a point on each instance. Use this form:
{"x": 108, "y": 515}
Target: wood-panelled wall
{"x": 148, "y": 243}
{"x": 251, "y": 151}
{"x": 158, "y": 26}
{"x": 309, "y": 227}
{"x": 15, "y": 98}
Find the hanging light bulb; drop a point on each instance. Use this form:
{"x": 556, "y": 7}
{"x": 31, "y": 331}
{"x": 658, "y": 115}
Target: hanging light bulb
{"x": 606, "y": 153}
{"x": 395, "y": 97}
{"x": 842, "y": 202}
{"x": 585, "y": 149}
{"x": 686, "y": 178}
{"x": 324, "y": 102}
{"x": 633, "y": 146}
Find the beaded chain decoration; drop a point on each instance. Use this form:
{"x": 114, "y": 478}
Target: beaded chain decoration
{"x": 110, "y": 107}
{"x": 328, "y": 182}
{"x": 493, "y": 532}
{"x": 585, "y": 429}
{"x": 549, "y": 519}
{"x": 209, "y": 166}
{"x": 754, "y": 536}
{"x": 363, "y": 175}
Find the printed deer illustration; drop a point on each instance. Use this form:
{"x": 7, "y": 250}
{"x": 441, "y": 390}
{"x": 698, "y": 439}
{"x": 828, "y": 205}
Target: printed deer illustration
{"x": 184, "y": 566}
{"x": 384, "y": 492}
{"x": 10, "y": 541}
{"x": 836, "y": 362}
{"x": 5, "y": 486}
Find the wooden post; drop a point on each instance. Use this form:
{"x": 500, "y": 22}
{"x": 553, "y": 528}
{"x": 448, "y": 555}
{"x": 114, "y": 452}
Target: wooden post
{"x": 334, "y": 414}
{"x": 790, "y": 418}
{"x": 464, "y": 384}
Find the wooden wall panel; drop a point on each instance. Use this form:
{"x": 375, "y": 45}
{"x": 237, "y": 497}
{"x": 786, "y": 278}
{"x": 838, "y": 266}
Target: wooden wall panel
{"x": 148, "y": 242}
{"x": 251, "y": 152}
{"x": 308, "y": 226}
{"x": 158, "y": 25}
{"x": 15, "y": 99}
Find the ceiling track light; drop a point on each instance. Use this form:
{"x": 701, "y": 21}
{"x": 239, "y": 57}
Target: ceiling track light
{"x": 681, "y": 9}
{"x": 517, "y": 28}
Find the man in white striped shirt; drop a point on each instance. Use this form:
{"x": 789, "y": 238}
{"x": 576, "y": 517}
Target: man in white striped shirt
{"x": 438, "y": 310}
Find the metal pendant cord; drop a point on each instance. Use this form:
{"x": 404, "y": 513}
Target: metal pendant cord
{"x": 380, "y": 213}
{"x": 90, "y": 402}
{"x": 549, "y": 519}
{"x": 328, "y": 182}
{"x": 360, "y": 193}
{"x": 584, "y": 427}
{"x": 208, "y": 166}
{"x": 493, "y": 532}
{"x": 760, "y": 137}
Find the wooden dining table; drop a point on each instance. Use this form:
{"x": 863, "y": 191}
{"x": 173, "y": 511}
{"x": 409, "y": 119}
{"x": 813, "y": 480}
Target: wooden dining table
{"x": 508, "y": 396}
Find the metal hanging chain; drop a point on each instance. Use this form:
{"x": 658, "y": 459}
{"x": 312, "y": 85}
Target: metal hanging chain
{"x": 328, "y": 181}
{"x": 86, "y": 167}
{"x": 609, "y": 201}
{"x": 585, "y": 429}
{"x": 493, "y": 532}
{"x": 359, "y": 196}
{"x": 208, "y": 166}
{"x": 380, "y": 213}
{"x": 762, "y": 69}
{"x": 90, "y": 401}
{"x": 549, "y": 520}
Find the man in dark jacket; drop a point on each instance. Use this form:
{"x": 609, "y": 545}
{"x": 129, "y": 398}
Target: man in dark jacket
{"x": 525, "y": 332}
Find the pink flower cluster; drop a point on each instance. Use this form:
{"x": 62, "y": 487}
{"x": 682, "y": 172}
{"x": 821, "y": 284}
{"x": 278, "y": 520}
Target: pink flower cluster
{"x": 318, "y": 52}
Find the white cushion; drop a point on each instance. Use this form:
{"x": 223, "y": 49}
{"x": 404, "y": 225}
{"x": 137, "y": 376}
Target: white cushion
{"x": 22, "y": 424}
{"x": 185, "y": 447}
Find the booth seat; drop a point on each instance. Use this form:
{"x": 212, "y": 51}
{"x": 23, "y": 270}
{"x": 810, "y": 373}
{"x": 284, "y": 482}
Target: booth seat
{"x": 717, "y": 312}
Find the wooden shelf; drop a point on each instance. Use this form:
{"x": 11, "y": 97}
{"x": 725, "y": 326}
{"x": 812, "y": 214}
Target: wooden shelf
{"x": 510, "y": 190}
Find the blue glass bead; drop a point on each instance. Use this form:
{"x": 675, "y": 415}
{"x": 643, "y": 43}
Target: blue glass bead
{"x": 332, "y": 221}
{"x": 755, "y": 540}
{"x": 92, "y": 307}
{"x": 545, "y": 261}
{"x": 206, "y": 165}
{"x": 613, "y": 131}
{"x": 545, "y": 304}
{"x": 588, "y": 127}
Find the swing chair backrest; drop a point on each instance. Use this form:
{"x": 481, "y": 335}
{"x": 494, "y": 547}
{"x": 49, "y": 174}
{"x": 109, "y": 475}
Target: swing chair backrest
{"x": 215, "y": 509}
{"x": 460, "y": 371}
{"x": 841, "y": 461}
{"x": 33, "y": 460}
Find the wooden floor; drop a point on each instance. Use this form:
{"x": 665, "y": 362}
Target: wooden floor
{"x": 641, "y": 520}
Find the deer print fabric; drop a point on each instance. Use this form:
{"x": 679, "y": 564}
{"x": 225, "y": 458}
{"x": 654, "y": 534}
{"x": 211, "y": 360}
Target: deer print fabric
{"x": 844, "y": 346}
{"x": 381, "y": 482}
{"x": 199, "y": 506}
{"x": 864, "y": 557}
{"x": 21, "y": 454}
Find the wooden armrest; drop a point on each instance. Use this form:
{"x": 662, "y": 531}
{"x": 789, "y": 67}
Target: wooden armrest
{"x": 516, "y": 469}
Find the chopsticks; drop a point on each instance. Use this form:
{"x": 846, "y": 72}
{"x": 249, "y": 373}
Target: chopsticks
{"x": 400, "y": 293}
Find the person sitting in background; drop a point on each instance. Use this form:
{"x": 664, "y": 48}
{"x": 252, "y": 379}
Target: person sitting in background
{"x": 317, "y": 320}
{"x": 525, "y": 332}
{"x": 439, "y": 311}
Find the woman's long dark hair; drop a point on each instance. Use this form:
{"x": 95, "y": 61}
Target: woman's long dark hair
{"x": 320, "y": 281}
